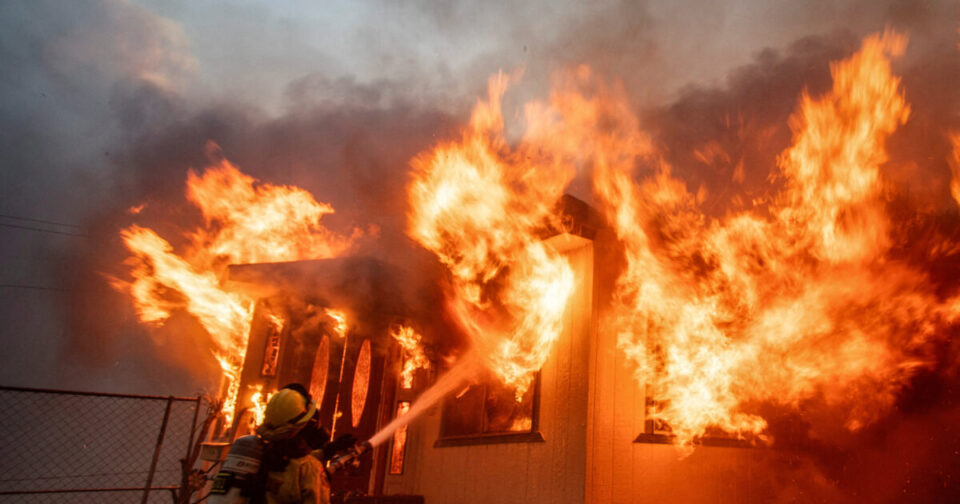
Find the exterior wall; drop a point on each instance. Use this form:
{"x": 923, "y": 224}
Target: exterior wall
{"x": 622, "y": 471}
{"x": 550, "y": 471}
{"x": 591, "y": 410}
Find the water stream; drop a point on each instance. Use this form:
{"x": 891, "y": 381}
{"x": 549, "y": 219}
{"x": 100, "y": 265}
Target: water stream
{"x": 463, "y": 370}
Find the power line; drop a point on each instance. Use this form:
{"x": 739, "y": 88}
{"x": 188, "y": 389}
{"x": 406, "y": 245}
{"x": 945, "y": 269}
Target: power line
{"x": 30, "y": 228}
{"x": 33, "y": 287}
{"x": 39, "y": 221}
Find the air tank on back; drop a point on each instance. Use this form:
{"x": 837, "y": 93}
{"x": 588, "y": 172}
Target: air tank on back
{"x": 234, "y": 482}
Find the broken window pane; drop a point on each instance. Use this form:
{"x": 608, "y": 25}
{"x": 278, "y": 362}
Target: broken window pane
{"x": 463, "y": 412}
{"x": 488, "y": 408}
{"x": 503, "y": 413}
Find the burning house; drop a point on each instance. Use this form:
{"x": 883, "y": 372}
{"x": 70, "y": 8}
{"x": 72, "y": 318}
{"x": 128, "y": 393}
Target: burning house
{"x": 338, "y": 326}
{"x": 343, "y": 354}
{"x": 636, "y": 349}
{"x": 581, "y": 432}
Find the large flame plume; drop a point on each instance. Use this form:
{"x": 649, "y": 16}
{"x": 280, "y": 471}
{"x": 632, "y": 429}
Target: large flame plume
{"x": 478, "y": 204}
{"x": 798, "y": 298}
{"x": 244, "y": 221}
{"x": 793, "y": 300}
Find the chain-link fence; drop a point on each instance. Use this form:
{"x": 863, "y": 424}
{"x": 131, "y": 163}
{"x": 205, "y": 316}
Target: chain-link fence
{"x": 64, "y": 446}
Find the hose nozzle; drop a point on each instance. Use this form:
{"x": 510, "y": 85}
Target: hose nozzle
{"x": 351, "y": 457}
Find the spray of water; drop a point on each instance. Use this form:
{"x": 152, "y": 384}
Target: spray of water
{"x": 465, "y": 368}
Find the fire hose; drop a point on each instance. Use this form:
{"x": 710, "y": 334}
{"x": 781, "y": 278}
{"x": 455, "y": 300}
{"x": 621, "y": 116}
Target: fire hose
{"x": 350, "y": 458}
{"x": 237, "y": 475}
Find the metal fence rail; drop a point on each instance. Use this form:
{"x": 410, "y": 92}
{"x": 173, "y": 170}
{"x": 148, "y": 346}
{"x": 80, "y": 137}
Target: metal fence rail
{"x": 71, "y": 446}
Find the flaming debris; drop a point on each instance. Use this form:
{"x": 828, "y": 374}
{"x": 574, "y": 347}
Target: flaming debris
{"x": 413, "y": 356}
{"x": 245, "y": 221}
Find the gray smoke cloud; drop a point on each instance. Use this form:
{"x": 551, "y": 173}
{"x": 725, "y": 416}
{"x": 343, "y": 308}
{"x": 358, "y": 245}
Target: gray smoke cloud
{"x": 69, "y": 70}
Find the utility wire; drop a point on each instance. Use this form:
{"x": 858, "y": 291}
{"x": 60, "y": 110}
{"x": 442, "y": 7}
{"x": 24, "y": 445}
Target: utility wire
{"x": 34, "y": 287}
{"x": 38, "y": 221}
{"x": 31, "y": 228}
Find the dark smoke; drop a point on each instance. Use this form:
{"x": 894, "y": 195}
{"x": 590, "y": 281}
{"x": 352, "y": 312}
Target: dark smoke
{"x": 353, "y": 157}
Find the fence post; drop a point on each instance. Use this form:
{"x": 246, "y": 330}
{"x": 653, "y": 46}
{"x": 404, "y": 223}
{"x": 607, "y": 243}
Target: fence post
{"x": 156, "y": 451}
{"x": 193, "y": 426}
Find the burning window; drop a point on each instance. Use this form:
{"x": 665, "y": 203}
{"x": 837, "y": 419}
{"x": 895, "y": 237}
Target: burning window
{"x": 271, "y": 352}
{"x": 361, "y": 383}
{"x": 399, "y": 448}
{"x": 657, "y": 430}
{"x": 654, "y": 423}
{"x": 489, "y": 408}
{"x": 412, "y": 356}
{"x": 321, "y": 369}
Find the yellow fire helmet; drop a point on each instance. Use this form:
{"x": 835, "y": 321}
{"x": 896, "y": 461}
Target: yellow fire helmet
{"x": 287, "y": 412}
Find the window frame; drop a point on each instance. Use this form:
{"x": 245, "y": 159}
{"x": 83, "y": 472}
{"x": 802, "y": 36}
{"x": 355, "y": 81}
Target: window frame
{"x": 652, "y": 434}
{"x": 484, "y": 438}
{"x": 393, "y": 439}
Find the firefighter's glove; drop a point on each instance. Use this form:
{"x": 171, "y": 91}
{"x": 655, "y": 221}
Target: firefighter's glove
{"x": 343, "y": 442}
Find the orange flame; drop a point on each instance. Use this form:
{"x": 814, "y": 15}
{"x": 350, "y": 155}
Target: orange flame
{"x": 790, "y": 301}
{"x": 258, "y": 404}
{"x": 785, "y": 307}
{"x": 955, "y": 167}
{"x": 340, "y": 321}
{"x": 478, "y": 205}
{"x": 258, "y": 399}
{"x": 398, "y": 451}
{"x": 245, "y": 221}
{"x": 250, "y": 223}
{"x": 413, "y": 356}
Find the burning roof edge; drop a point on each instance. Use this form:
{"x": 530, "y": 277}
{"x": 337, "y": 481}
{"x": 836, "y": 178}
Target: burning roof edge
{"x": 576, "y": 218}
{"x": 577, "y": 221}
{"x": 323, "y": 276}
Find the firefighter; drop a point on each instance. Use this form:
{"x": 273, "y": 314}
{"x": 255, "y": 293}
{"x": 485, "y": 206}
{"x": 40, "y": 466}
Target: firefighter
{"x": 294, "y": 472}
{"x": 285, "y": 462}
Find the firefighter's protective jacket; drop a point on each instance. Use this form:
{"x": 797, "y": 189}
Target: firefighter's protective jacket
{"x": 303, "y": 481}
